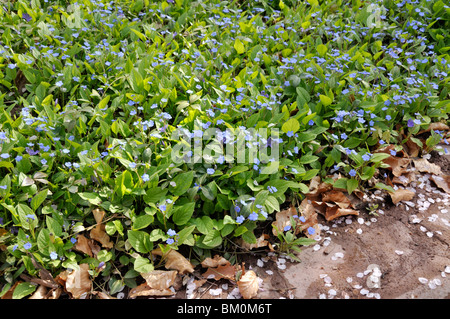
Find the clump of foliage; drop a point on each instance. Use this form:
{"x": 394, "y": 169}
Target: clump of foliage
{"x": 92, "y": 90}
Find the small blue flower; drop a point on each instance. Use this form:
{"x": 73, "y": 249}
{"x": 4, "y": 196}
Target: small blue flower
{"x": 59, "y": 83}
{"x": 287, "y": 228}
{"x": 171, "y": 232}
{"x": 27, "y": 245}
{"x": 290, "y": 133}
{"x": 311, "y": 230}
{"x": 170, "y": 241}
{"x": 210, "y": 171}
{"x": 145, "y": 177}
{"x": 366, "y": 157}
{"x": 237, "y": 209}
{"x": 240, "y": 219}
{"x": 352, "y": 173}
{"x": 253, "y": 216}
{"x": 53, "y": 255}
{"x": 162, "y": 207}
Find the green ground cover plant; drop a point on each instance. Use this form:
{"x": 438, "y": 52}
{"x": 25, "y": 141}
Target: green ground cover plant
{"x": 91, "y": 93}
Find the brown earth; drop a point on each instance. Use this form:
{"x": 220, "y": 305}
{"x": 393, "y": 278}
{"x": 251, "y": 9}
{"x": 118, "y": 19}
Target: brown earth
{"x": 401, "y": 252}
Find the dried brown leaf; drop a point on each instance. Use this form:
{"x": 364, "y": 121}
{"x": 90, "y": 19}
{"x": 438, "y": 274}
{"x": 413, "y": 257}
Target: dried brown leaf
{"x": 83, "y": 245}
{"x": 338, "y": 198}
{"x": 248, "y": 285}
{"x": 404, "y": 179}
{"x": 336, "y": 212}
{"x": 398, "y": 165}
{"x": 146, "y": 290}
{"x": 309, "y": 213}
{"x": 214, "y": 262}
{"x": 78, "y": 282}
{"x": 422, "y": 165}
{"x": 261, "y": 241}
{"x": 160, "y": 279}
{"x": 442, "y": 181}
{"x": 174, "y": 260}
{"x": 40, "y": 293}
{"x": 98, "y": 233}
{"x": 226, "y": 271}
{"x": 283, "y": 219}
{"x": 402, "y": 194}
{"x": 435, "y": 126}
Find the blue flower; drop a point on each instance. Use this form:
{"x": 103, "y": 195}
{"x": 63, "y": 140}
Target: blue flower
{"x": 171, "y": 232}
{"x": 352, "y": 173}
{"x": 170, "y": 241}
{"x": 366, "y": 157}
{"x": 53, "y": 255}
{"x": 162, "y": 207}
{"x": 237, "y": 209}
{"x": 287, "y": 228}
{"x": 145, "y": 177}
{"x": 73, "y": 240}
{"x": 311, "y": 230}
{"x": 210, "y": 171}
{"x": 253, "y": 216}
{"x": 290, "y": 133}
{"x": 59, "y": 83}
{"x": 240, "y": 219}
{"x": 27, "y": 245}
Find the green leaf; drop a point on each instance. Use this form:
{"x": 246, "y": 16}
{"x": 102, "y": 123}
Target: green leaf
{"x": 325, "y": 100}
{"x": 182, "y": 214}
{"x": 54, "y": 226}
{"x": 184, "y": 234}
{"x": 352, "y": 184}
{"x": 38, "y": 199}
{"x": 239, "y": 46}
{"x": 142, "y": 221}
{"x": 140, "y": 241}
{"x": 322, "y": 49}
{"x": 92, "y": 198}
{"x": 292, "y": 125}
{"x": 182, "y": 182}
{"x": 142, "y": 265}
{"x": 23, "y": 289}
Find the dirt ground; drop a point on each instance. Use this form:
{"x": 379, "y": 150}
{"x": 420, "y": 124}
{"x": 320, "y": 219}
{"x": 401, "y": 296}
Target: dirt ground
{"x": 402, "y": 252}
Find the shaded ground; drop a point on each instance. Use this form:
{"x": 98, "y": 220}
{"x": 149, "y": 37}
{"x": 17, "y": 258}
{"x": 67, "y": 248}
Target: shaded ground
{"x": 402, "y": 252}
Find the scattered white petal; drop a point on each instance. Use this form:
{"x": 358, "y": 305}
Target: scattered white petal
{"x": 430, "y": 234}
{"x": 269, "y": 272}
{"x": 399, "y": 252}
{"x": 359, "y": 231}
{"x": 316, "y": 247}
{"x": 349, "y": 279}
{"x": 215, "y": 292}
{"x": 260, "y": 263}
{"x": 423, "y": 280}
{"x": 361, "y": 220}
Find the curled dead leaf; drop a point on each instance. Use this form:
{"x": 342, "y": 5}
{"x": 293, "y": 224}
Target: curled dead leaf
{"x": 78, "y": 282}
{"x": 435, "y": 126}
{"x": 398, "y": 165}
{"x": 401, "y": 195}
{"x": 422, "y": 165}
{"x": 174, "y": 260}
{"x": 442, "y": 182}
{"x": 248, "y": 285}
{"x": 87, "y": 246}
{"x": 338, "y": 198}
{"x": 336, "y": 212}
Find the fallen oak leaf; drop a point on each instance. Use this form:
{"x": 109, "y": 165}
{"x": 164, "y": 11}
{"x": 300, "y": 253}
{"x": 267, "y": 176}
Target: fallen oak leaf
{"x": 336, "y": 212}
{"x": 174, "y": 260}
{"x": 248, "y": 285}
{"x": 397, "y": 165}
